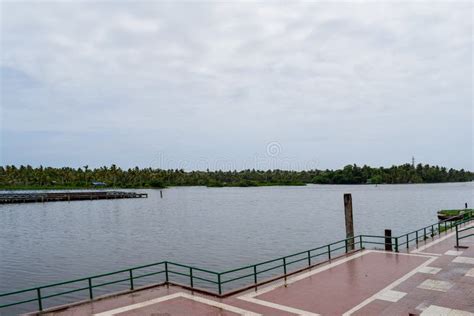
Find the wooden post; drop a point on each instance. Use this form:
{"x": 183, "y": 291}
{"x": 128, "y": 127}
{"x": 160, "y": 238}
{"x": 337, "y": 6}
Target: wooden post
{"x": 349, "y": 220}
{"x": 388, "y": 240}
{"x": 161, "y": 194}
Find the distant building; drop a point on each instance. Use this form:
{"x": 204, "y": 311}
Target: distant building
{"x": 99, "y": 184}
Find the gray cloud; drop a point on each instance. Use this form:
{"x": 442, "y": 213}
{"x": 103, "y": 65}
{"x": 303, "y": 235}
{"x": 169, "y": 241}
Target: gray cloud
{"x": 336, "y": 83}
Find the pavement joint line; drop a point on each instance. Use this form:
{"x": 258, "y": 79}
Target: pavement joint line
{"x": 429, "y": 253}
{"x": 404, "y": 253}
{"x": 178, "y": 295}
{"x": 391, "y": 285}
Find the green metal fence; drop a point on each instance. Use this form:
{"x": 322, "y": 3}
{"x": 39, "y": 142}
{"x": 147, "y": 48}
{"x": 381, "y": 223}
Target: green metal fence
{"x": 464, "y": 232}
{"x": 244, "y": 277}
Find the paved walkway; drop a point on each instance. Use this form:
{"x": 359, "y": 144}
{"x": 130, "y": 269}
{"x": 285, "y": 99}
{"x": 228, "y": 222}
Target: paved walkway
{"x": 435, "y": 279}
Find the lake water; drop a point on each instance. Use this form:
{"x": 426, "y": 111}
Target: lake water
{"x": 213, "y": 228}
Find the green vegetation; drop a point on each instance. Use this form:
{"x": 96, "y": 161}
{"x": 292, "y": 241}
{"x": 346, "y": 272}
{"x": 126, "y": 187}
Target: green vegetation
{"x": 453, "y": 216}
{"x": 467, "y": 212}
{"x": 27, "y": 177}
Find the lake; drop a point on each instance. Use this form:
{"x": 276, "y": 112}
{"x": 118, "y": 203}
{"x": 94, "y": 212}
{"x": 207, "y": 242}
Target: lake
{"x": 213, "y": 228}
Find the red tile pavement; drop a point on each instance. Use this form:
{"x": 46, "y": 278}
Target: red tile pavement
{"x": 179, "y": 306}
{"x": 351, "y": 284}
{"x": 355, "y": 281}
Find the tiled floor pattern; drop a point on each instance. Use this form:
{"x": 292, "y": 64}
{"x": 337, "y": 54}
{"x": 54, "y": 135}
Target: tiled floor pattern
{"x": 436, "y": 279}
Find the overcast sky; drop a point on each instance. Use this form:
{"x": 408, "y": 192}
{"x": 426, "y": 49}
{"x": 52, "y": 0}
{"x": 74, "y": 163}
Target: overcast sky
{"x": 237, "y": 84}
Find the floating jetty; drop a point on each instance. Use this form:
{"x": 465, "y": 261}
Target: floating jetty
{"x": 454, "y": 215}
{"x": 67, "y": 196}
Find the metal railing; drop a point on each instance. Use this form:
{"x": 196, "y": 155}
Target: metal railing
{"x": 460, "y": 232}
{"x": 422, "y": 234}
{"x": 248, "y": 276}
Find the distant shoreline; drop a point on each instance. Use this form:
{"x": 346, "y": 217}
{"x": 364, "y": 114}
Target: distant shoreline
{"x": 30, "y": 188}
{"x": 43, "y": 178}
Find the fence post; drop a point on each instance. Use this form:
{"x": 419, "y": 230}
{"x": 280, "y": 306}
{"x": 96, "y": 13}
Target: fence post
{"x": 329, "y": 252}
{"x": 360, "y": 242}
{"x": 255, "y": 274}
{"x": 166, "y": 271}
{"x": 219, "y": 283}
{"x": 416, "y": 235}
{"x": 309, "y": 258}
{"x": 457, "y": 237}
{"x": 388, "y": 240}
{"x": 284, "y": 265}
{"x": 432, "y": 231}
{"x": 424, "y": 233}
{"x": 191, "y": 276}
{"x": 40, "y": 303}
{"x": 408, "y": 240}
{"x": 396, "y": 244}
{"x": 90, "y": 288}
{"x": 131, "y": 279}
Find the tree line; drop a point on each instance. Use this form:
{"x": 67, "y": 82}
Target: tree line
{"x": 28, "y": 177}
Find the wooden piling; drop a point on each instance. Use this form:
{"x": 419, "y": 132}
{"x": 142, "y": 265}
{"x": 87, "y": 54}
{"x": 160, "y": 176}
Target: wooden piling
{"x": 349, "y": 221}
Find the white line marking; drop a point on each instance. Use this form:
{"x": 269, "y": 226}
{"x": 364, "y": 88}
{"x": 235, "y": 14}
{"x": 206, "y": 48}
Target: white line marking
{"x": 392, "y": 285}
{"x": 278, "y": 306}
{"x": 177, "y": 295}
{"x": 403, "y": 253}
{"x": 428, "y": 253}
{"x": 250, "y": 297}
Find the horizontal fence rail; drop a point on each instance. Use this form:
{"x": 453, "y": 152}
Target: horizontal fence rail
{"x": 244, "y": 277}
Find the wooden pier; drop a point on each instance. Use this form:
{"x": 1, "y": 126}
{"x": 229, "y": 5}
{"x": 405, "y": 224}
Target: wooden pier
{"x": 67, "y": 196}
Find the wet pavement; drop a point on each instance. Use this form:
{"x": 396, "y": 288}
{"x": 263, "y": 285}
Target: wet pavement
{"x": 433, "y": 279}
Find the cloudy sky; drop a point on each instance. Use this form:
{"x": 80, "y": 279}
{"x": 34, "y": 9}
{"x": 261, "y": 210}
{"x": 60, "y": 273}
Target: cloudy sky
{"x": 232, "y": 85}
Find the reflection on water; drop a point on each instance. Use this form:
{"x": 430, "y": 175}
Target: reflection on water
{"x": 213, "y": 228}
